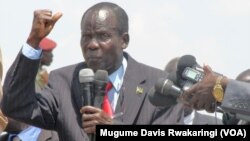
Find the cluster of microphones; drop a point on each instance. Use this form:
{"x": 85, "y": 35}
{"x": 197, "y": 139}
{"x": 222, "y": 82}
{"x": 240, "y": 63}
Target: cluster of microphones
{"x": 166, "y": 91}
{"x": 188, "y": 72}
{"x": 93, "y": 86}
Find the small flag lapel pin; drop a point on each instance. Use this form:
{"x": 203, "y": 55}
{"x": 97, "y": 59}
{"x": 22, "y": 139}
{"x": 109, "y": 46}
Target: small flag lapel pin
{"x": 139, "y": 90}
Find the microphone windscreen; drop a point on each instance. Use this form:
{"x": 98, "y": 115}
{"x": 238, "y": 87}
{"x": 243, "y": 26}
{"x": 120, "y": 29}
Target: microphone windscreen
{"x": 185, "y": 61}
{"x": 160, "y": 100}
{"x": 86, "y": 75}
{"x": 167, "y": 88}
{"x": 162, "y": 85}
{"x": 101, "y": 75}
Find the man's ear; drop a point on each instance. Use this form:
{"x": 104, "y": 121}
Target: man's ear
{"x": 125, "y": 40}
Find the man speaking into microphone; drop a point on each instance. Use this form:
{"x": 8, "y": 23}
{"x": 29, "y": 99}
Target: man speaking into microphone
{"x": 104, "y": 36}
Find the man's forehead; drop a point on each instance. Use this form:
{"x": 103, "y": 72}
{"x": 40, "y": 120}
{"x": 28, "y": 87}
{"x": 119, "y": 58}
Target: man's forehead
{"x": 100, "y": 15}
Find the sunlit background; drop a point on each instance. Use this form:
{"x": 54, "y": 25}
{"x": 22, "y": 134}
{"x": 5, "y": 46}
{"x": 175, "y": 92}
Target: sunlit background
{"x": 216, "y": 32}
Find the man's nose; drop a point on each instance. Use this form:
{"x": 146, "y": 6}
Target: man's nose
{"x": 93, "y": 44}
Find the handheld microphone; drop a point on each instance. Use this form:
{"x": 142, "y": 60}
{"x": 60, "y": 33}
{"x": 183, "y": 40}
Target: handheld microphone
{"x": 164, "y": 93}
{"x": 166, "y": 87}
{"x": 100, "y": 82}
{"x": 86, "y": 78}
{"x": 160, "y": 100}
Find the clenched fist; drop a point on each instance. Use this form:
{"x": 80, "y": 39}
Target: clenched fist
{"x": 43, "y": 23}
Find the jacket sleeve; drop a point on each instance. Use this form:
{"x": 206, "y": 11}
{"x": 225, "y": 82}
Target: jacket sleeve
{"x": 237, "y": 98}
{"x": 21, "y": 101}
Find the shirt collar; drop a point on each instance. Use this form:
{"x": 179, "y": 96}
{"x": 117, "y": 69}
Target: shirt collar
{"x": 116, "y": 78}
{"x": 29, "y": 134}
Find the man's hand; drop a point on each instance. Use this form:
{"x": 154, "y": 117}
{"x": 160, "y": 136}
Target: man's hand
{"x": 92, "y": 116}
{"x": 200, "y": 96}
{"x": 3, "y": 122}
{"x": 43, "y": 23}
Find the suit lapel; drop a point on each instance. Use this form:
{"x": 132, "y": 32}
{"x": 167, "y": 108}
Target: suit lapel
{"x": 75, "y": 88}
{"x": 132, "y": 93}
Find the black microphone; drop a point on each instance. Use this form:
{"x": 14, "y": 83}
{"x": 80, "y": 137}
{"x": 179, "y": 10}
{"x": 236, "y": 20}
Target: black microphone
{"x": 166, "y": 87}
{"x": 100, "y": 81}
{"x": 86, "y": 78}
{"x": 189, "y": 72}
{"x": 189, "y": 61}
{"x": 164, "y": 93}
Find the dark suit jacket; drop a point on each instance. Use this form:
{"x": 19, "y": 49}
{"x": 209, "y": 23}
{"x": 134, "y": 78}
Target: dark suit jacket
{"x": 15, "y": 127}
{"x": 237, "y": 99}
{"x": 48, "y": 135}
{"x": 45, "y": 135}
{"x": 57, "y": 107}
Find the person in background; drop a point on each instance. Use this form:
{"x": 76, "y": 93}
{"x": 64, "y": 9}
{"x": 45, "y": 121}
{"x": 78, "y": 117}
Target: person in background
{"x": 171, "y": 68}
{"x": 230, "y": 118}
{"x": 104, "y": 36}
{"x": 244, "y": 76}
{"x": 47, "y": 45}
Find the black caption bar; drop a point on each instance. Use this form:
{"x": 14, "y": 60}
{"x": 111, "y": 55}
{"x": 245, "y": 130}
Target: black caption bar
{"x": 163, "y": 132}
